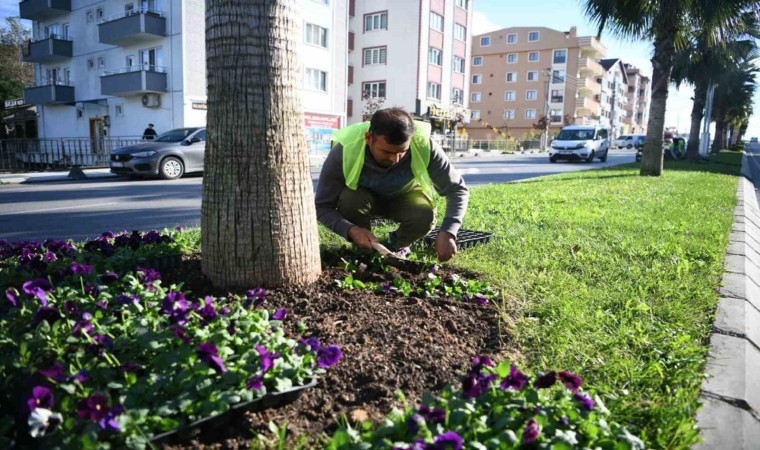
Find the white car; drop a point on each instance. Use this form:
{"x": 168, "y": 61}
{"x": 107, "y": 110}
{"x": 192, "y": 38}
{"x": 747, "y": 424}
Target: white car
{"x": 620, "y": 142}
{"x": 580, "y": 143}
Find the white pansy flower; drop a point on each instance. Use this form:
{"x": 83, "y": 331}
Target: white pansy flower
{"x": 42, "y": 421}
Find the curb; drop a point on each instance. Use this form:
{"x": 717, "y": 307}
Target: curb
{"x": 730, "y": 415}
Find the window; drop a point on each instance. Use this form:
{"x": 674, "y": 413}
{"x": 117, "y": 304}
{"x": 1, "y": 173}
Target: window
{"x": 377, "y": 21}
{"x": 477, "y": 61}
{"x": 511, "y": 77}
{"x": 555, "y": 115}
{"x": 560, "y": 56}
{"x": 434, "y": 91}
{"x": 99, "y": 14}
{"x": 485, "y": 41}
{"x": 201, "y": 135}
{"x": 557, "y": 96}
{"x": 101, "y": 62}
{"x": 315, "y": 79}
{"x": 512, "y": 38}
{"x": 531, "y": 94}
{"x": 119, "y": 110}
{"x": 152, "y": 59}
{"x": 90, "y": 64}
{"x": 374, "y": 89}
{"x": 475, "y": 97}
{"x": 90, "y": 15}
{"x": 457, "y": 96}
{"x": 53, "y": 31}
{"x": 477, "y": 79}
{"x": 533, "y": 36}
{"x": 512, "y": 58}
{"x": 316, "y": 35}
{"x": 65, "y": 31}
{"x": 474, "y": 114}
{"x": 458, "y": 64}
{"x": 435, "y": 56}
{"x": 510, "y": 96}
{"x": 460, "y": 32}
{"x": 509, "y": 114}
{"x": 461, "y": 3}
{"x": 131, "y": 60}
{"x": 533, "y": 57}
{"x": 558, "y": 76}
{"x": 129, "y": 8}
{"x": 373, "y": 56}
{"x": 53, "y": 76}
{"x": 530, "y": 113}
{"x": 436, "y": 21}
{"x": 532, "y": 75}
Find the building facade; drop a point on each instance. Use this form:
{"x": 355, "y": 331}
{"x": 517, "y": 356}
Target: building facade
{"x": 614, "y": 96}
{"x": 108, "y": 68}
{"x": 639, "y": 96}
{"x": 521, "y": 74}
{"x": 411, "y": 54}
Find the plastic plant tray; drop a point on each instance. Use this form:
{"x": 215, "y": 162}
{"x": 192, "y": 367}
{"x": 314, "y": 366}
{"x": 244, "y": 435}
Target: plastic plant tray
{"x": 268, "y": 401}
{"x": 161, "y": 263}
{"x": 465, "y": 238}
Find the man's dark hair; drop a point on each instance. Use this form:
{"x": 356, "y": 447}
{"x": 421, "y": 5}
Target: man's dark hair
{"x": 395, "y": 124}
{"x": 150, "y": 124}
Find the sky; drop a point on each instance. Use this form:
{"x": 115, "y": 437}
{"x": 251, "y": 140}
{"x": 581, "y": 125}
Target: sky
{"x": 490, "y": 15}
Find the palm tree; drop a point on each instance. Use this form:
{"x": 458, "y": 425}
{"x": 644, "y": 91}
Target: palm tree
{"x": 733, "y": 101}
{"x": 258, "y": 220}
{"x": 667, "y": 23}
{"x": 701, "y": 63}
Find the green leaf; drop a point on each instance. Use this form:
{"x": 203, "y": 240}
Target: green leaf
{"x": 502, "y": 370}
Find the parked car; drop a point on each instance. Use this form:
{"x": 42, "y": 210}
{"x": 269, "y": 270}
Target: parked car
{"x": 630, "y": 141}
{"x": 753, "y": 140}
{"x": 169, "y": 156}
{"x": 580, "y": 143}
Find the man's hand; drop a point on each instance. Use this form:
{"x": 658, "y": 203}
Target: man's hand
{"x": 362, "y": 237}
{"x": 445, "y": 246}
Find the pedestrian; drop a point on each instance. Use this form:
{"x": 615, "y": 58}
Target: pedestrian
{"x": 149, "y": 133}
{"x": 389, "y": 168}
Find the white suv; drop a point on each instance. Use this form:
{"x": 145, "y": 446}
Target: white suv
{"x": 580, "y": 143}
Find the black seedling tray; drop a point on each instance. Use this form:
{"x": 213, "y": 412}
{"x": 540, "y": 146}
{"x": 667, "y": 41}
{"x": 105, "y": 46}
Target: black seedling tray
{"x": 268, "y": 401}
{"x": 161, "y": 263}
{"x": 465, "y": 238}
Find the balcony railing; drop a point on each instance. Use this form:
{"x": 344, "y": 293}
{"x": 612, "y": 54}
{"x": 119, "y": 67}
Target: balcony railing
{"x": 129, "y": 27}
{"x": 49, "y": 91}
{"x": 42, "y": 10}
{"x": 54, "y": 47}
{"x": 134, "y": 80}
{"x": 590, "y": 46}
{"x": 590, "y": 66}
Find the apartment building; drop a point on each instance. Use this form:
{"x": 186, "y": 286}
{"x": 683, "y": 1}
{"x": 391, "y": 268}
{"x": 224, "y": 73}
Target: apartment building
{"x": 614, "y": 96}
{"x": 108, "y": 68}
{"x": 521, "y": 74}
{"x": 639, "y": 96}
{"x": 411, "y": 54}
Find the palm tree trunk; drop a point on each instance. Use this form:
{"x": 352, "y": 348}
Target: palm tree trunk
{"x": 720, "y": 126}
{"x": 662, "y": 65}
{"x": 697, "y": 114}
{"x": 258, "y": 220}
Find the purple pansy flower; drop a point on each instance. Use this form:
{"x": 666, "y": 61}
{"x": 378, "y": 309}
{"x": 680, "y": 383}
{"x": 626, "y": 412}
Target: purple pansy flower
{"x": 209, "y": 354}
{"x": 91, "y": 290}
{"x": 50, "y": 257}
{"x": 124, "y": 299}
{"x": 531, "y": 432}
{"x": 94, "y": 407}
{"x": 109, "y": 423}
{"x": 179, "y": 229}
{"x": 448, "y": 441}
{"x": 254, "y": 297}
{"x": 256, "y": 382}
{"x": 475, "y": 385}
{"x": 54, "y": 372}
{"x": 280, "y": 314}
{"x": 175, "y": 305}
{"x": 329, "y": 356}
{"x": 80, "y": 269}
{"x": 310, "y": 344}
{"x": 47, "y": 313}
{"x": 479, "y": 362}
{"x": 479, "y": 299}
{"x": 515, "y": 380}
{"x": 109, "y": 277}
{"x": 585, "y": 401}
{"x": 129, "y": 367}
{"x": 180, "y": 333}
{"x": 12, "y": 296}
{"x": 571, "y": 380}
{"x": 149, "y": 276}
{"x": 564, "y": 421}
{"x": 81, "y": 376}
{"x": 267, "y": 358}
{"x": 38, "y": 288}
{"x": 546, "y": 380}
{"x": 42, "y": 397}
{"x": 208, "y": 312}
{"x": 81, "y": 326}
{"x": 414, "y": 423}
{"x": 231, "y": 328}
{"x": 433, "y": 414}
{"x": 71, "y": 308}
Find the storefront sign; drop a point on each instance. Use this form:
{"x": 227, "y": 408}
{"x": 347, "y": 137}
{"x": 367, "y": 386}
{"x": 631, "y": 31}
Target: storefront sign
{"x": 321, "y": 121}
{"x": 14, "y": 103}
{"x": 200, "y": 105}
{"x": 319, "y": 129}
{"x": 436, "y": 112}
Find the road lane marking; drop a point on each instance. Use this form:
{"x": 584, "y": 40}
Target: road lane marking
{"x": 58, "y": 209}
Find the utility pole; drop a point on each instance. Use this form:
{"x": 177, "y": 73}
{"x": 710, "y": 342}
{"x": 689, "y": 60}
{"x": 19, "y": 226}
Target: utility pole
{"x": 545, "y": 132}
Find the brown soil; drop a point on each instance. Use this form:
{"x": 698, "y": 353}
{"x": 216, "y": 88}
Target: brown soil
{"x": 390, "y": 344}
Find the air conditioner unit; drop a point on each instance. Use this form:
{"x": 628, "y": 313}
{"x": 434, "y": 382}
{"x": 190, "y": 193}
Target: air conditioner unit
{"x": 151, "y": 100}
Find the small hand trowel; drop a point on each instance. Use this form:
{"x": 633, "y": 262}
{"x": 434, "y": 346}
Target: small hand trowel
{"x": 397, "y": 261}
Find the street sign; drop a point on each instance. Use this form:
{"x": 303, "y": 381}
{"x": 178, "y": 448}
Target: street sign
{"x": 14, "y": 103}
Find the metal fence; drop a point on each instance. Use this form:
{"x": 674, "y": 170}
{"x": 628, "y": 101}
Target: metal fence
{"x": 502, "y": 145}
{"x": 63, "y": 153}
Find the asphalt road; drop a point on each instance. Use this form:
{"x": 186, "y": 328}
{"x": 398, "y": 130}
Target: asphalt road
{"x": 77, "y": 210}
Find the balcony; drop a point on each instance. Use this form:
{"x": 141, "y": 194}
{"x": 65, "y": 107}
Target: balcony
{"x": 49, "y": 92}
{"x": 134, "y": 80}
{"x": 591, "y": 47}
{"x": 132, "y": 27}
{"x": 589, "y": 67}
{"x": 588, "y": 87}
{"x": 586, "y": 107}
{"x": 50, "y": 49}
{"x": 42, "y": 10}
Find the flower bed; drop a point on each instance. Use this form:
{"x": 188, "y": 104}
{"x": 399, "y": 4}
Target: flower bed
{"x": 89, "y": 355}
{"x": 497, "y": 407}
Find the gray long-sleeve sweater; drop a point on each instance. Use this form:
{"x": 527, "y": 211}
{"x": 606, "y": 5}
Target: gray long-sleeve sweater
{"x": 384, "y": 182}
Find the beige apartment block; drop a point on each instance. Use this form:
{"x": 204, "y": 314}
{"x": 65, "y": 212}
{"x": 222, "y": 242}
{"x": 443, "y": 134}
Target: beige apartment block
{"x": 520, "y": 74}
{"x": 639, "y": 96}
